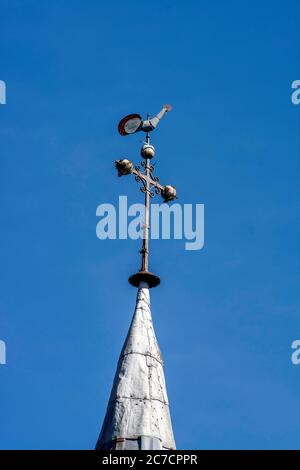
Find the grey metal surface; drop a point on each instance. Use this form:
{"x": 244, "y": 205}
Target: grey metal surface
{"x": 137, "y": 414}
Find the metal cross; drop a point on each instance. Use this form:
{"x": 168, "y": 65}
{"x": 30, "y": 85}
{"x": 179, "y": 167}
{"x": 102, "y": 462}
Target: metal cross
{"x": 149, "y": 181}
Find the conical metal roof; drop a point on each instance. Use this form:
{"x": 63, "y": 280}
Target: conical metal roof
{"x": 137, "y": 415}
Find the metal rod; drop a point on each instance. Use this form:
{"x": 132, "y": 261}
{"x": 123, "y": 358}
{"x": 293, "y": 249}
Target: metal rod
{"x": 145, "y": 249}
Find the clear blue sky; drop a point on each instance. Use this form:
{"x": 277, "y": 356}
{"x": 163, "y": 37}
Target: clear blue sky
{"x": 225, "y": 316}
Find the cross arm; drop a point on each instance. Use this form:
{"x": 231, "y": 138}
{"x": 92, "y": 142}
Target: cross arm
{"x": 126, "y": 167}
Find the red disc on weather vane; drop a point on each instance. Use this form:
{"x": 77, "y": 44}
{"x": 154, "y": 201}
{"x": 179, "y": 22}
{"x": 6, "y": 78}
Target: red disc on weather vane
{"x": 129, "y": 124}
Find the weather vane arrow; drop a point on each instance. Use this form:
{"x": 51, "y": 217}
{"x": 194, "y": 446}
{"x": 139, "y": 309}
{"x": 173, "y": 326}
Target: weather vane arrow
{"x": 130, "y": 125}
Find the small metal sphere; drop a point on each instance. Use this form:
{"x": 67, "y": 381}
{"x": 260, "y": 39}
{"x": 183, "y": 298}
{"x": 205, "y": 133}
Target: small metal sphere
{"x": 147, "y": 151}
{"x": 169, "y": 193}
{"x": 124, "y": 167}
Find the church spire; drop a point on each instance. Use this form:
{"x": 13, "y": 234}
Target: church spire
{"x": 137, "y": 415}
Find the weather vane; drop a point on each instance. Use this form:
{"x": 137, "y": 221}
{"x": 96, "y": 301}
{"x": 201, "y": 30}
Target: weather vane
{"x": 129, "y": 125}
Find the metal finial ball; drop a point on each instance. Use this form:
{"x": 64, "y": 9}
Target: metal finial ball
{"x": 169, "y": 193}
{"x": 124, "y": 167}
{"x": 147, "y": 151}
